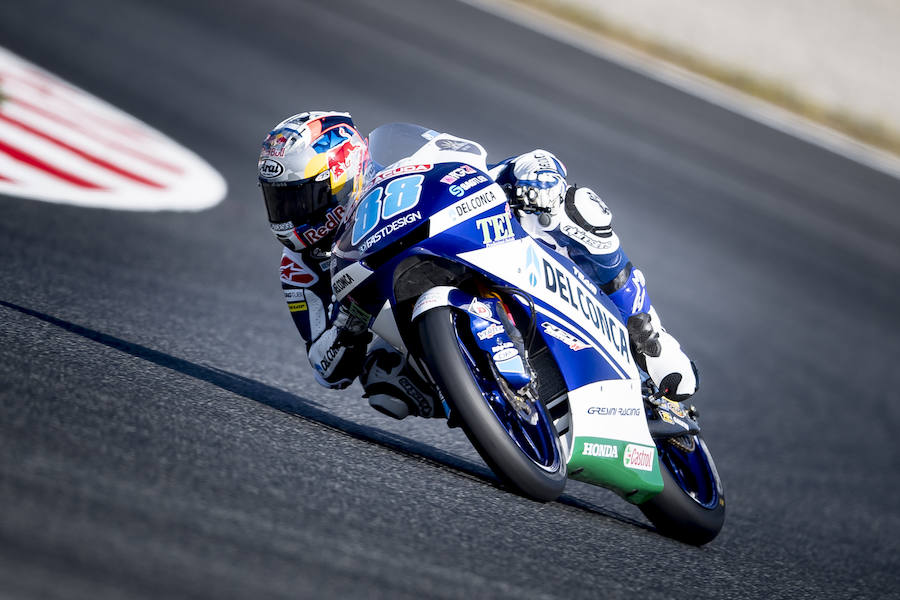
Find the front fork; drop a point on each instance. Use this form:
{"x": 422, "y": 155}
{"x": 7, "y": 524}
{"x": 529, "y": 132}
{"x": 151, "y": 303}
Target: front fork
{"x": 502, "y": 343}
{"x": 497, "y": 337}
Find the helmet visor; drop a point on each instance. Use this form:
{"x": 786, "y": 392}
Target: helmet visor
{"x": 299, "y": 202}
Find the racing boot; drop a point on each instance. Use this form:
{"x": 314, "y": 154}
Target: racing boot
{"x": 394, "y": 388}
{"x": 654, "y": 349}
{"x": 661, "y": 356}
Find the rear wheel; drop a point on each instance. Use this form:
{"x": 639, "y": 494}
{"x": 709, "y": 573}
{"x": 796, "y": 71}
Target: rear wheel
{"x": 525, "y": 455}
{"x": 691, "y": 507}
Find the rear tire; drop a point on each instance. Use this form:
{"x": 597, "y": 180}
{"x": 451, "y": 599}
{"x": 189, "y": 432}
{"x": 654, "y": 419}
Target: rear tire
{"x": 677, "y": 514}
{"x": 453, "y": 375}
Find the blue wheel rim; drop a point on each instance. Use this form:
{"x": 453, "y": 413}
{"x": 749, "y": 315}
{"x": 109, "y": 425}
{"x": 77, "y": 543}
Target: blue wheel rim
{"x": 692, "y": 471}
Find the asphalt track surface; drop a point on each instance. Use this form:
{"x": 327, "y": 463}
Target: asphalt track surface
{"x": 161, "y": 434}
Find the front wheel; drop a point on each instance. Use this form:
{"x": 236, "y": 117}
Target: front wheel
{"x": 691, "y": 507}
{"x": 525, "y": 455}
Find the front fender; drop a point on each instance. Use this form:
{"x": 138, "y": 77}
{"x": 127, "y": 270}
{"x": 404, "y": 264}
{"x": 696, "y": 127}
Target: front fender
{"x": 442, "y": 295}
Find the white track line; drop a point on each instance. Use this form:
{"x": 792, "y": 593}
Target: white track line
{"x": 54, "y": 138}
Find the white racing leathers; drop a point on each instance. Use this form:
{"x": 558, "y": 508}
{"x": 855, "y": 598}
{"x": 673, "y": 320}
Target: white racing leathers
{"x": 335, "y": 344}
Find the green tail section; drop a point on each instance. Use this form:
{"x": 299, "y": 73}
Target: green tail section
{"x": 631, "y": 470}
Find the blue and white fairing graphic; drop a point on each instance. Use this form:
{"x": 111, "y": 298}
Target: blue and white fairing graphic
{"x": 436, "y": 198}
{"x": 578, "y": 323}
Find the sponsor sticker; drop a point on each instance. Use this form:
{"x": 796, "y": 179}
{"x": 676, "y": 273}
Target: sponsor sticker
{"x": 564, "y": 336}
{"x": 297, "y": 306}
{"x": 591, "y": 241}
{"x": 601, "y": 450}
{"x": 341, "y": 158}
{"x": 404, "y": 170}
{"x": 482, "y": 310}
{"x": 357, "y": 311}
{"x": 431, "y": 299}
{"x": 496, "y": 229}
{"x": 426, "y": 409}
{"x": 476, "y": 204}
{"x": 505, "y": 354}
{"x": 490, "y": 331}
{"x": 480, "y": 202}
{"x": 461, "y": 189}
{"x": 594, "y": 197}
{"x": 457, "y": 145}
{"x": 531, "y": 266}
{"x": 347, "y": 279}
{"x": 639, "y": 457}
{"x": 614, "y": 411}
{"x": 575, "y": 294}
{"x": 677, "y": 408}
{"x": 276, "y": 142}
{"x": 270, "y": 168}
{"x": 341, "y": 282}
{"x": 328, "y": 360}
{"x": 297, "y": 273}
{"x": 294, "y": 295}
{"x": 390, "y": 228}
{"x": 316, "y": 234}
{"x": 457, "y": 173}
{"x": 281, "y": 227}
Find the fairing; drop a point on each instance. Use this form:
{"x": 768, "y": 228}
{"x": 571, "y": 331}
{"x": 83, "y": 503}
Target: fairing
{"x": 428, "y": 195}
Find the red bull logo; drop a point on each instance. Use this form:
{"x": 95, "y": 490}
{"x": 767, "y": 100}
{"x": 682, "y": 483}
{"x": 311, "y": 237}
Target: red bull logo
{"x": 275, "y": 144}
{"x": 342, "y": 159}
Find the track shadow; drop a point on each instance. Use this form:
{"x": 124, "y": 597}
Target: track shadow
{"x": 305, "y": 409}
{"x": 266, "y": 394}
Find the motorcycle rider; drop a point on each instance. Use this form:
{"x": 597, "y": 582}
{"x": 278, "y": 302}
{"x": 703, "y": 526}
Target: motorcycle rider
{"x": 311, "y": 164}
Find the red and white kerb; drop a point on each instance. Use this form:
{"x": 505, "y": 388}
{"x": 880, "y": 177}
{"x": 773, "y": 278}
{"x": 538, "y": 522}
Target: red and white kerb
{"x": 60, "y": 144}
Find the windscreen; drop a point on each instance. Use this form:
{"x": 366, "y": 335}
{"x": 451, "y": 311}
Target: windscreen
{"x": 394, "y": 141}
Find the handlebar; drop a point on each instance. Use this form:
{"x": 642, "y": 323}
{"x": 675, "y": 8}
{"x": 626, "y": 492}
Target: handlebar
{"x": 516, "y": 203}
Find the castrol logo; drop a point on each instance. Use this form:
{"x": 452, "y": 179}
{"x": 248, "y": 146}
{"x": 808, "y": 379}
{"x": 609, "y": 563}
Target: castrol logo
{"x": 639, "y": 457}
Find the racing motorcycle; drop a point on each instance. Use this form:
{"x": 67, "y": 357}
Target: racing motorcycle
{"x": 523, "y": 350}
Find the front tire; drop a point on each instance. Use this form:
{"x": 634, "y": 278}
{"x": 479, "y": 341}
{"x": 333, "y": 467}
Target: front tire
{"x": 691, "y": 507}
{"x": 455, "y": 373}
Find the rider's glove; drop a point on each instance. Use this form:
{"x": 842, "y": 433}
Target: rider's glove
{"x": 540, "y": 182}
{"x": 668, "y": 366}
{"x": 349, "y": 326}
{"x": 337, "y": 354}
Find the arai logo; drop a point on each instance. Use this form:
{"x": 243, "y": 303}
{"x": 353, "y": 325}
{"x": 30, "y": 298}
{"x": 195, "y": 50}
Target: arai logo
{"x": 270, "y": 169}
